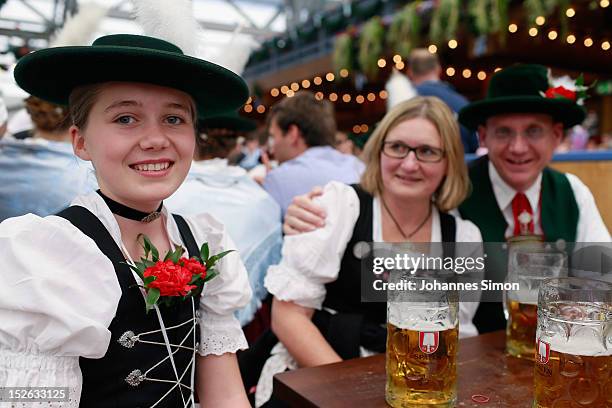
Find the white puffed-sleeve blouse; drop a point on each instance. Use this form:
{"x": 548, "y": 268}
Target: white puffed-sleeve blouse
{"x": 59, "y": 294}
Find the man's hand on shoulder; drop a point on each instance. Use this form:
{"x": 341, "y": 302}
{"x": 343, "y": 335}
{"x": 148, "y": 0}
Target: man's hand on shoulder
{"x": 303, "y": 214}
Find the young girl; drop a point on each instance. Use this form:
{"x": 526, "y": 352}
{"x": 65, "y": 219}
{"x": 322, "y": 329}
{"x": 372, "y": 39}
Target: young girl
{"x": 71, "y": 309}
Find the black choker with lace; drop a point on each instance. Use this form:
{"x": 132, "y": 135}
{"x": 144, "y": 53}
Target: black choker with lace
{"x": 130, "y": 213}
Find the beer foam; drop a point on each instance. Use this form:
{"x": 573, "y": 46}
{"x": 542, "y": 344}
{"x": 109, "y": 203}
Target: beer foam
{"x": 579, "y": 345}
{"x": 420, "y": 317}
{"x": 526, "y": 296}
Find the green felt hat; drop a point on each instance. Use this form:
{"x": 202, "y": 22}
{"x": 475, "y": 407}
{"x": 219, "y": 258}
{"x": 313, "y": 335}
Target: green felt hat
{"x": 229, "y": 120}
{"x": 521, "y": 89}
{"x": 52, "y": 73}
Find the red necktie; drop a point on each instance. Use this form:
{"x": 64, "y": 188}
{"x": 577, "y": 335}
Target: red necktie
{"x": 523, "y": 215}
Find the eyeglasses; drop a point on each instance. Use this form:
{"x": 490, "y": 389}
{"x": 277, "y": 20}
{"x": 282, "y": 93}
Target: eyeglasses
{"x": 532, "y": 134}
{"x": 423, "y": 153}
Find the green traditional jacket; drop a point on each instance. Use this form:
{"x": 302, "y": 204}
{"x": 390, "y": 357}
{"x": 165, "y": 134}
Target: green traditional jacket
{"x": 558, "y": 214}
{"x": 559, "y": 220}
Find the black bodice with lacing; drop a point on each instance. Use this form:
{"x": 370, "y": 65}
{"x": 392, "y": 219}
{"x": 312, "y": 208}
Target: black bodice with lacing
{"x": 136, "y": 370}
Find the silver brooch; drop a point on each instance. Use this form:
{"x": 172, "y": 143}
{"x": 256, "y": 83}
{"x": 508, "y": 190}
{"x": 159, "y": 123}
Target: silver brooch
{"x": 128, "y": 339}
{"x": 151, "y": 217}
{"x": 361, "y": 250}
{"x": 135, "y": 378}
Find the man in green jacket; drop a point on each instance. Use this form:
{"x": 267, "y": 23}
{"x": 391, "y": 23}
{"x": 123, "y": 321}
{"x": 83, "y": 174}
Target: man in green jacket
{"x": 521, "y": 122}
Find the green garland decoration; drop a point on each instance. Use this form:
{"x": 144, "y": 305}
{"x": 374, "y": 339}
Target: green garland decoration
{"x": 343, "y": 52}
{"x": 536, "y": 8}
{"x": 371, "y": 44}
{"x": 533, "y": 9}
{"x": 545, "y": 8}
{"x": 444, "y": 21}
{"x": 489, "y": 17}
{"x": 478, "y": 10}
{"x": 404, "y": 32}
{"x": 563, "y": 19}
{"x": 500, "y": 18}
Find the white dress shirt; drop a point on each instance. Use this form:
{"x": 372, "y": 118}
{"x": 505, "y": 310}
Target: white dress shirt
{"x": 59, "y": 294}
{"x": 591, "y": 227}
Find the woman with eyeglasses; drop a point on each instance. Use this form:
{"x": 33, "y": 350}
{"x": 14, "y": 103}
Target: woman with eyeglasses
{"x": 415, "y": 173}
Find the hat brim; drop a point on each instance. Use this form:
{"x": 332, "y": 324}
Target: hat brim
{"x": 51, "y": 74}
{"x": 232, "y": 122}
{"x": 561, "y": 110}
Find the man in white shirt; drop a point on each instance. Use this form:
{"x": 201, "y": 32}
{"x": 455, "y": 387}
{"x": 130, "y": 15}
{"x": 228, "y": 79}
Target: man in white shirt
{"x": 521, "y": 122}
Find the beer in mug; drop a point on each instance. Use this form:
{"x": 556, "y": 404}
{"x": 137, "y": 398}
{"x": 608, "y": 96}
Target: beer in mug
{"x": 521, "y": 328}
{"x": 573, "y": 366}
{"x": 421, "y": 366}
{"x": 528, "y": 266}
{"x": 422, "y": 342}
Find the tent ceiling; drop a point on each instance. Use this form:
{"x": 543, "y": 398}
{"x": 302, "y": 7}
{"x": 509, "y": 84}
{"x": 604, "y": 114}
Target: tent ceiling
{"x": 24, "y": 20}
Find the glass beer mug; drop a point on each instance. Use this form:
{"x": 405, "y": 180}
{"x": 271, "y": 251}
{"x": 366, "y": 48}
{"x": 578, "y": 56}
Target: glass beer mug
{"x": 528, "y": 265}
{"x": 573, "y": 365}
{"x": 422, "y": 340}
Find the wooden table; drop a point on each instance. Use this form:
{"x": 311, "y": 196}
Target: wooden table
{"x": 482, "y": 369}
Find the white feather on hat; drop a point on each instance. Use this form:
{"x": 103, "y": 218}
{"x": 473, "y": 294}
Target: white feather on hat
{"x": 399, "y": 89}
{"x": 169, "y": 20}
{"x": 79, "y": 29}
{"x": 175, "y": 21}
{"x": 241, "y": 47}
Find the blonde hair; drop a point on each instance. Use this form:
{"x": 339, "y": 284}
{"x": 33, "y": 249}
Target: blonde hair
{"x": 455, "y": 186}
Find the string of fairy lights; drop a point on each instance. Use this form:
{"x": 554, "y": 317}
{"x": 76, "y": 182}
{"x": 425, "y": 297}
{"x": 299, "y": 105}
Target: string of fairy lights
{"x": 289, "y": 90}
{"x": 534, "y": 30}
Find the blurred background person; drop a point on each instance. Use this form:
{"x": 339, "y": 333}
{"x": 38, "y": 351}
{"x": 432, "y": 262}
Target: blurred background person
{"x": 359, "y": 142}
{"x": 251, "y": 216}
{"x": 3, "y": 117}
{"x": 424, "y": 71}
{"x": 302, "y": 130}
{"x": 250, "y": 152}
{"x": 41, "y": 174}
{"x": 343, "y": 143}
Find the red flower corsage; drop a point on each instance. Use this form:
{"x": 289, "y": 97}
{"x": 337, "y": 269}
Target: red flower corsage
{"x": 175, "y": 278}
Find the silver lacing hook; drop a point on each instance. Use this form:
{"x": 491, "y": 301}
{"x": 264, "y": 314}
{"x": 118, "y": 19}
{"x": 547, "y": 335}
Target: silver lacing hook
{"x": 128, "y": 339}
